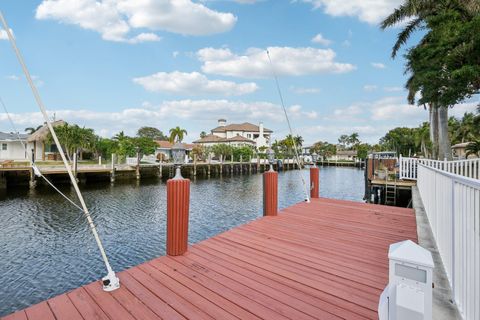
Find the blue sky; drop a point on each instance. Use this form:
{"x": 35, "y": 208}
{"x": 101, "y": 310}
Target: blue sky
{"x": 120, "y": 64}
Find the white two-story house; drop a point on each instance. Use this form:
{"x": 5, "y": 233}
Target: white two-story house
{"x": 243, "y": 134}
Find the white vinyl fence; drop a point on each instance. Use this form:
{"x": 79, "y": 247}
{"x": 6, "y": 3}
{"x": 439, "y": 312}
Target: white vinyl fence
{"x": 131, "y": 161}
{"x": 469, "y": 168}
{"x": 452, "y": 204}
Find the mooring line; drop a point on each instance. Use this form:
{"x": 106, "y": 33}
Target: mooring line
{"x": 297, "y": 158}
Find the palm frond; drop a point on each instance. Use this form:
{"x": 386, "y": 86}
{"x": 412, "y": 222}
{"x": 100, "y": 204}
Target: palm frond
{"x": 405, "y": 34}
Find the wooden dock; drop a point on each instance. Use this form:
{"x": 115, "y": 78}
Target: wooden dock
{"x": 323, "y": 260}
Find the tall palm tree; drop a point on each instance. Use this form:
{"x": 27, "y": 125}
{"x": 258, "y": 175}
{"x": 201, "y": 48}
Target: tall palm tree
{"x": 417, "y": 11}
{"x": 119, "y": 136}
{"x": 177, "y": 134}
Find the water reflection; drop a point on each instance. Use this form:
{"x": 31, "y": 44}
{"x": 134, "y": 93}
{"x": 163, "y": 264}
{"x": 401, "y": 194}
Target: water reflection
{"x": 46, "y": 247}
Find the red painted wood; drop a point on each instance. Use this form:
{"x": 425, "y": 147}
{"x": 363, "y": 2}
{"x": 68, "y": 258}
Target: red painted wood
{"x": 40, "y": 311}
{"x": 178, "y": 203}
{"x": 19, "y": 315}
{"x": 170, "y": 268}
{"x": 325, "y": 260}
{"x": 155, "y": 303}
{"x": 182, "y": 306}
{"x": 191, "y": 296}
{"x": 87, "y": 307}
{"x": 314, "y": 182}
{"x": 105, "y": 300}
{"x": 270, "y": 193}
{"x": 63, "y": 308}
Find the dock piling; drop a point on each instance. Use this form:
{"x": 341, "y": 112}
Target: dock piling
{"x": 270, "y": 193}
{"x": 112, "y": 173}
{"x": 178, "y": 202}
{"x": 314, "y": 182}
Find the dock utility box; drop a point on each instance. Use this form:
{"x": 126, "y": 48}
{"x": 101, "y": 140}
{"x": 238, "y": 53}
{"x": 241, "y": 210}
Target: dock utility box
{"x": 408, "y": 295}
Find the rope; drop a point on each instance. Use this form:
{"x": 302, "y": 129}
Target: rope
{"x": 57, "y": 142}
{"x": 297, "y": 158}
{"x": 32, "y": 164}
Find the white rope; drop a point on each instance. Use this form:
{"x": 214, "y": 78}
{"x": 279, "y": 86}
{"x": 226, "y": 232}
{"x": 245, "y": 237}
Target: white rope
{"x": 297, "y": 158}
{"x": 57, "y": 142}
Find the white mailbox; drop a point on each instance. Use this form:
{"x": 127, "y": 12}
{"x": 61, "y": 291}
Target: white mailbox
{"x": 408, "y": 295}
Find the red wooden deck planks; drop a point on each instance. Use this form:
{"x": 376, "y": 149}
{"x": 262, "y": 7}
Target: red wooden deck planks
{"x": 321, "y": 260}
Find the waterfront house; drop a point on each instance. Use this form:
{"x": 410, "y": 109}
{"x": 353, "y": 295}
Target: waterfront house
{"x": 42, "y": 148}
{"x": 164, "y": 149}
{"x": 13, "y": 146}
{"x": 344, "y": 155}
{"x": 243, "y": 134}
{"x": 459, "y": 151}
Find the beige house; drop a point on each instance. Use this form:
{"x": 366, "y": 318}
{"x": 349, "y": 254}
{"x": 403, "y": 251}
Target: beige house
{"x": 243, "y": 134}
{"x": 164, "y": 149}
{"x": 459, "y": 151}
{"x": 344, "y": 155}
{"x": 42, "y": 149}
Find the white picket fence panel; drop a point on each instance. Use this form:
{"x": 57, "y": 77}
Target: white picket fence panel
{"x": 131, "y": 161}
{"x": 469, "y": 168}
{"x": 452, "y": 204}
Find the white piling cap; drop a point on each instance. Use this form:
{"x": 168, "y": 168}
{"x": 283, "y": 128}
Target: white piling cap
{"x": 410, "y": 252}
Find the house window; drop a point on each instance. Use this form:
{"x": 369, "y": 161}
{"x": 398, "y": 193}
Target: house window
{"x": 249, "y": 135}
{"x": 4, "y": 146}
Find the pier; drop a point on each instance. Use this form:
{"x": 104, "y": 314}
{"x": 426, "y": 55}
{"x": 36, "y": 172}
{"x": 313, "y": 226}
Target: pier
{"x": 321, "y": 260}
{"x": 13, "y": 174}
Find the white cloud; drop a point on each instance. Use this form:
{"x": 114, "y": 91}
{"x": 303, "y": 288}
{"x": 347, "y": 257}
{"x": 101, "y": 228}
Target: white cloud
{"x": 394, "y": 108}
{"x": 378, "y": 65}
{"x": 4, "y": 35}
{"x": 370, "y": 87}
{"x": 300, "y": 90}
{"x": 13, "y": 77}
{"x": 144, "y": 37}
{"x": 286, "y": 61}
{"x": 175, "y": 54}
{"x": 246, "y": 1}
{"x": 370, "y": 11}
{"x": 191, "y": 114}
{"x": 38, "y": 82}
{"x": 321, "y": 40}
{"x": 116, "y": 19}
{"x": 393, "y": 89}
{"x": 192, "y": 84}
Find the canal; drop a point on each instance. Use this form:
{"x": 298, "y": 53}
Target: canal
{"x": 46, "y": 247}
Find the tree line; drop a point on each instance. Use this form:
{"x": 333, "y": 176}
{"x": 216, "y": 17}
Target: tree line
{"x": 85, "y": 142}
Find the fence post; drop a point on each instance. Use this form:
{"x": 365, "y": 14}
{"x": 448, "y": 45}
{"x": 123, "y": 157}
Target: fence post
{"x": 270, "y": 192}
{"x": 178, "y": 203}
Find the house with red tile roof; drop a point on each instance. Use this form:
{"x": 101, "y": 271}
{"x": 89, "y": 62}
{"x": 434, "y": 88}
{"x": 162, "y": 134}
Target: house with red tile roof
{"x": 242, "y": 134}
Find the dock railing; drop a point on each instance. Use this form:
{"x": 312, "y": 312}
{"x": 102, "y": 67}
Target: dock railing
{"x": 452, "y": 204}
{"x": 469, "y": 168}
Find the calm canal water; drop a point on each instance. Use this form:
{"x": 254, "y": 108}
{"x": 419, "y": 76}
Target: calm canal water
{"x": 46, "y": 247}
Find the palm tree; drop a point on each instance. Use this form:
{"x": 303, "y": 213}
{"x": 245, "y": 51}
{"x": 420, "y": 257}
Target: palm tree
{"x": 31, "y": 130}
{"x": 119, "y": 136}
{"x": 473, "y": 148}
{"x": 353, "y": 139}
{"x": 203, "y": 134}
{"x": 467, "y": 127}
{"x": 416, "y": 12}
{"x": 177, "y": 134}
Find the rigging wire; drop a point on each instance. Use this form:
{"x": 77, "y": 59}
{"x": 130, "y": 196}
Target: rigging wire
{"x": 297, "y": 158}
{"x": 110, "y": 282}
{"x": 30, "y": 158}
